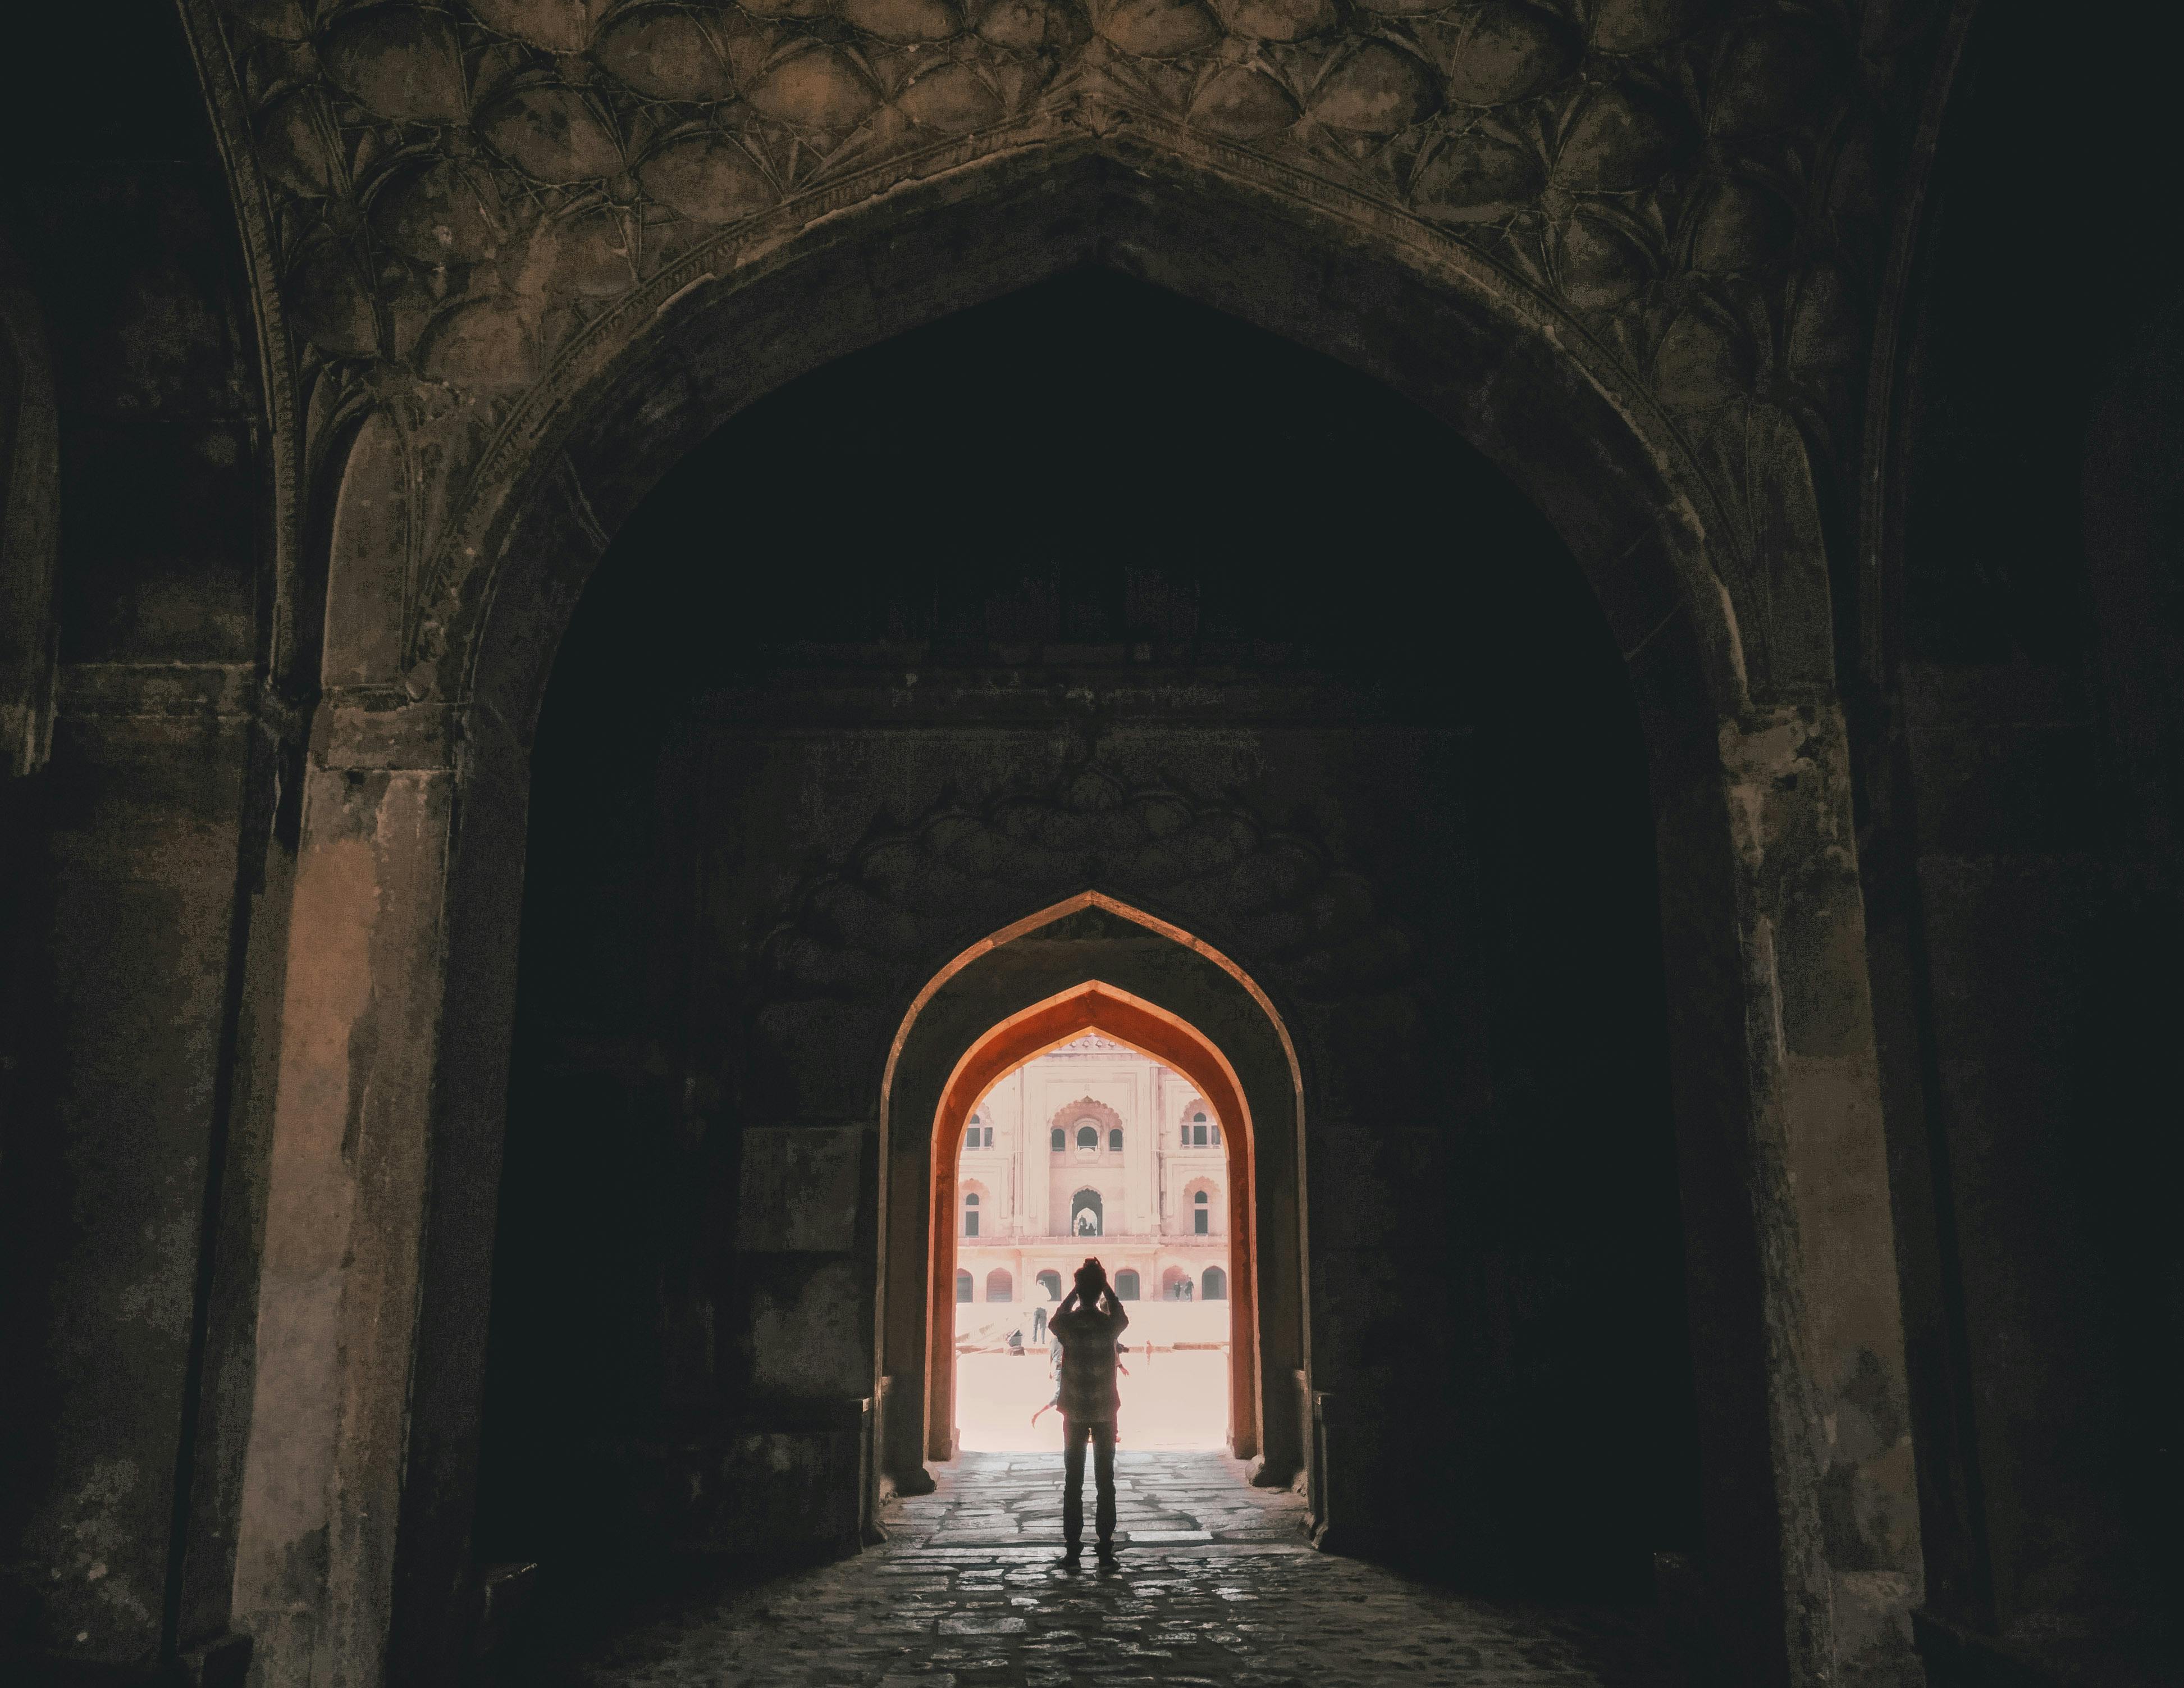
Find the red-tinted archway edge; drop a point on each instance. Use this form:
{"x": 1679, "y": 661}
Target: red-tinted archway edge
{"x": 1151, "y": 1031}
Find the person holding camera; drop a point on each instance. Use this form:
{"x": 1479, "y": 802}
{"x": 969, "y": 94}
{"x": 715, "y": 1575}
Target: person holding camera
{"x": 1089, "y": 1321}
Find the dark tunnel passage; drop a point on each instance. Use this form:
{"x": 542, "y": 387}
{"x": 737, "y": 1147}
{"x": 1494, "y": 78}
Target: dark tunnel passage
{"x": 1086, "y": 559}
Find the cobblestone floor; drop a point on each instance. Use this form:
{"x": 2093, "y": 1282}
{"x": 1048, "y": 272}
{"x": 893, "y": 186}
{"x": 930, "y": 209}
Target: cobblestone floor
{"x": 1214, "y": 1586}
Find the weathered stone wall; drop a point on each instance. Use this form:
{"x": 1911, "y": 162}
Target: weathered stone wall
{"x": 2020, "y": 843}
{"x": 135, "y": 786}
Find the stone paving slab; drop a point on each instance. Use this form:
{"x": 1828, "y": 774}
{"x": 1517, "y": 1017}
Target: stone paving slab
{"x": 1195, "y": 1612}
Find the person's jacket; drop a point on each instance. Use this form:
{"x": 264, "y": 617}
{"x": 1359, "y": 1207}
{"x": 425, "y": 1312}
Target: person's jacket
{"x": 1088, "y": 1336}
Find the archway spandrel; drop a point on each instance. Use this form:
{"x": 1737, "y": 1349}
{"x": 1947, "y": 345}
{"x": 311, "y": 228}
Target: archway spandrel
{"x": 482, "y": 207}
{"x": 911, "y": 894}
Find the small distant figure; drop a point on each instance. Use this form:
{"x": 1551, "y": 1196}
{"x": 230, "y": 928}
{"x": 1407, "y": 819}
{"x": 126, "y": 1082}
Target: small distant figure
{"x": 1089, "y": 1323}
{"x": 1038, "y": 1325}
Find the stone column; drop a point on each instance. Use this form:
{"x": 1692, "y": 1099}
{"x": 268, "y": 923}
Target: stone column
{"x": 1824, "y": 1359}
{"x": 345, "y": 1208}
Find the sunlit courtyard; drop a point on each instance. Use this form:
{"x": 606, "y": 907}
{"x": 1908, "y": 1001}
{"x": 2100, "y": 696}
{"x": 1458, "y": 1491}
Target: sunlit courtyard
{"x": 1093, "y": 1150}
{"x": 1172, "y": 1399}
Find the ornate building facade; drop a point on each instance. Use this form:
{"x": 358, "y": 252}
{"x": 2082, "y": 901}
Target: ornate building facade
{"x": 1092, "y": 1149}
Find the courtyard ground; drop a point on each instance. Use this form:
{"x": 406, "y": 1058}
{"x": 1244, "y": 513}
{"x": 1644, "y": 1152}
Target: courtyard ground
{"x": 1172, "y": 1401}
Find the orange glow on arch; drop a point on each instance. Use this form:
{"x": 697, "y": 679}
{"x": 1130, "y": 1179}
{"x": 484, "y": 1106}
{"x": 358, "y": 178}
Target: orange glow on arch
{"x": 1153, "y": 1032}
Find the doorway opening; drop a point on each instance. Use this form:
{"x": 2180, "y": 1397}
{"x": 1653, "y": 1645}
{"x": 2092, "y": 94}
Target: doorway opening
{"x": 1085, "y": 1151}
{"x": 1091, "y": 1090}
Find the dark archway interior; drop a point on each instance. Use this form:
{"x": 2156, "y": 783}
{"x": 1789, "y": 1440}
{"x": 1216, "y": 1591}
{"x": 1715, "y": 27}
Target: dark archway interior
{"x": 1088, "y": 518}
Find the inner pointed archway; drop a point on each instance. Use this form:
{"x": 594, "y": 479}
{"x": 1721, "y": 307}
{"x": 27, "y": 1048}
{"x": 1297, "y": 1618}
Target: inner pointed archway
{"x": 1083, "y": 1152}
{"x": 1162, "y": 1037}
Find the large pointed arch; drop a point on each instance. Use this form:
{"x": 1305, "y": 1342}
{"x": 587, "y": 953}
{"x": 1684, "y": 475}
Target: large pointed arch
{"x": 1026, "y": 987}
{"x": 408, "y": 875}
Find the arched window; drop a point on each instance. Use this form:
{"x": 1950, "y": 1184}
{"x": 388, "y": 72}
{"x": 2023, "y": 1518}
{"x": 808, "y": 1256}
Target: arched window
{"x": 1061, "y": 1139}
{"x": 1175, "y": 1284}
{"x": 1000, "y": 1286}
{"x": 971, "y": 1215}
{"x": 971, "y": 1138}
{"x": 1217, "y": 1284}
{"x": 962, "y": 1286}
{"x": 1201, "y": 1214}
{"x": 1115, "y": 1140}
{"x": 1087, "y": 1217}
{"x": 979, "y": 1136}
{"x": 1125, "y": 1285}
{"x": 1088, "y": 1136}
{"x": 1050, "y": 1285}
{"x": 1198, "y": 1129}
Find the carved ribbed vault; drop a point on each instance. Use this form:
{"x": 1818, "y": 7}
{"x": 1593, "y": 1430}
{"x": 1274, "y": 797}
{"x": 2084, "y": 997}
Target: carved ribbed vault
{"x": 451, "y": 202}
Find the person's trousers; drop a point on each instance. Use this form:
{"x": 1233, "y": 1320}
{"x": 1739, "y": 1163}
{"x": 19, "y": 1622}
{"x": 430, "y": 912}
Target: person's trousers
{"x": 1074, "y": 1432}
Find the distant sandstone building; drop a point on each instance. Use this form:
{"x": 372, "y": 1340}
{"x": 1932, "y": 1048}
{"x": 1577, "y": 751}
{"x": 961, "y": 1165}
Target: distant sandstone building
{"x": 1092, "y": 1149}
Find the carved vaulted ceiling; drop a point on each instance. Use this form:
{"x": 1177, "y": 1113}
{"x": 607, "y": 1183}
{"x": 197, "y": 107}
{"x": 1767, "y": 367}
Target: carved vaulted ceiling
{"x": 452, "y": 195}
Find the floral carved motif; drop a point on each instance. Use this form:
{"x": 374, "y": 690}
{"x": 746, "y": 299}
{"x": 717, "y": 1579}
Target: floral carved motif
{"x": 460, "y": 191}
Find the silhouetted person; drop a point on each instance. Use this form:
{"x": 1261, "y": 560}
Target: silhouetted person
{"x": 1088, "y": 1322}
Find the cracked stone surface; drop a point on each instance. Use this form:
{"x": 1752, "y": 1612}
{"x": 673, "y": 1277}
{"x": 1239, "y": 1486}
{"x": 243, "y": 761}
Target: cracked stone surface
{"x": 1215, "y": 1586}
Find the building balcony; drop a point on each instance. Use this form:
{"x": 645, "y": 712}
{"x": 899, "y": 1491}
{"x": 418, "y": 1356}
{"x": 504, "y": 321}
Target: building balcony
{"x": 1028, "y": 1240}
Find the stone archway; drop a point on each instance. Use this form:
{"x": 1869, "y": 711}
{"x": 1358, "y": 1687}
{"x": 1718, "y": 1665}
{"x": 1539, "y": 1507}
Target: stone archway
{"x": 1159, "y": 1035}
{"x": 394, "y": 1037}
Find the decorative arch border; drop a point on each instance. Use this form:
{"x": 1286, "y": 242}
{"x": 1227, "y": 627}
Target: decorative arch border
{"x": 1077, "y": 1203}
{"x": 1216, "y": 1202}
{"x": 971, "y": 1187}
{"x": 583, "y": 448}
{"x": 1194, "y": 1105}
{"x": 463, "y": 575}
{"x": 1069, "y": 1112}
{"x": 1151, "y": 1031}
